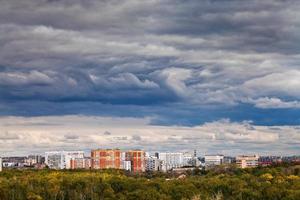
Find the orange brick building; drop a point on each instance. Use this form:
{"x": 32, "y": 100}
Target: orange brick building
{"x": 106, "y": 158}
{"x": 80, "y": 163}
{"x": 137, "y": 158}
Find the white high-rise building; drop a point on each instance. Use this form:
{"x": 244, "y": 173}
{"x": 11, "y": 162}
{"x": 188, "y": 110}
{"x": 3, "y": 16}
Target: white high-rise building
{"x": 188, "y": 159}
{"x": 126, "y": 165}
{"x": 170, "y": 160}
{"x": 212, "y": 160}
{"x": 62, "y": 159}
{"x": 152, "y": 163}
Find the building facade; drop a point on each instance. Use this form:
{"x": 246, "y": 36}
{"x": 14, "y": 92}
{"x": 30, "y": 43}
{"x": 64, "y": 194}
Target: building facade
{"x": 126, "y": 165}
{"x": 213, "y": 160}
{"x": 189, "y": 159}
{"x": 0, "y": 164}
{"x": 170, "y": 160}
{"x": 80, "y": 163}
{"x": 137, "y": 159}
{"x": 62, "y": 159}
{"x": 152, "y": 163}
{"x": 244, "y": 161}
{"x": 106, "y": 158}
{"x": 228, "y": 160}
{"x": 32, "y": 160}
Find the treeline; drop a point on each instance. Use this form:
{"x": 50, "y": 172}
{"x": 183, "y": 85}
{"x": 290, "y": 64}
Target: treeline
{"x": 271, "y": 183}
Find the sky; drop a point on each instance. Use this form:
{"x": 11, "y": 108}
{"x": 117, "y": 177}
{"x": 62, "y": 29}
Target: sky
{"x": 216, "y": 76}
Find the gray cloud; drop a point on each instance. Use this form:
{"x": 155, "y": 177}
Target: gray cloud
{"x": 71, "y": 137}
{"x": 107, "y": 133}
{"x": 136, "y": 138}
{"x": 150, "y": 53}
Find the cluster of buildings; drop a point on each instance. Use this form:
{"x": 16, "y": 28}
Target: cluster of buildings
{"x": 136, "y": 160}
{"x": 131, "y": 160}
{"x": 243, "y": 161}
{"x": 36, "y": 161}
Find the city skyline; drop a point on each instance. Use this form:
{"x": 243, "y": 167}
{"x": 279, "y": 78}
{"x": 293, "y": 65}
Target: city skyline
{"x": 216, "y": 76}
{"x": 137, "y": 160}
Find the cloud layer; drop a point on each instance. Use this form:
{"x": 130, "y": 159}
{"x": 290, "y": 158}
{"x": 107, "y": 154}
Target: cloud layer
{"x": 21, "y": 135}
{"x": 145, "y": 52}
{"x": 179, "y": 63}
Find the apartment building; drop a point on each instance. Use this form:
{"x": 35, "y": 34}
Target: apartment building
{"x": 245, "y": 161}
{"x": 213, "y": 160}
{"x": 80, "y": 163}
{"x": 170, "y": 160}
{"x": 137, "y": 159}
{"x": 152, "y": 163}
{"x": 106, "y": 158}
{"x": 62, "y": 159}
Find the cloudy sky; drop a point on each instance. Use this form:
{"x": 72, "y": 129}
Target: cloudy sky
{"x": 212, "y": 75}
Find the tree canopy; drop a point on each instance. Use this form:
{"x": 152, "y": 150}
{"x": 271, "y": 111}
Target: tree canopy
{"x": 270, "y": 183}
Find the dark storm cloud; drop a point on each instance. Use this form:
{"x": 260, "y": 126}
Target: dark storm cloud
{"x": 157, "y": 56}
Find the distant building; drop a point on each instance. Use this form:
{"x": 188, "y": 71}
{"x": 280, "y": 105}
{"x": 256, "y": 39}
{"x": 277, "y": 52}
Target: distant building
{"x": 291, "y": 159}
{"x": 33, "y": 160}
{"x": 132, "y": 160}
{"x": 213, "y": 160}
{"x": 152, "y": 163}
{"x": 183, "y": 170}
{"x": 269, "y": 160}
{"x": 126, "y": 165}
{"x": 188, "y": 159}
{"x": 195, "y": 153}
{"x": 0, "y": 164}
{"x": 170, "y": 160}
{"x": 80, "y": 163}
{"x": 247, "y": 161}
{"x": 54, "y": 160}
{"x": 137, "y": 159}
{"x": 106, "y": 158}
{"x": 228, "y": 160}
{"x": 13, "y": 162}
{"x": 62, "y": 159}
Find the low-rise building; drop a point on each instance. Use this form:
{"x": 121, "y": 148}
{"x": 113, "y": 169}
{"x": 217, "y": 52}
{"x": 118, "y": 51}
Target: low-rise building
{"x": 13, "y": 162}
{"x": 213, "y": 160}
{"x": 228, "y": 160}
{"x": 269, "y": 160}
{"x": 245, "y": 161}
